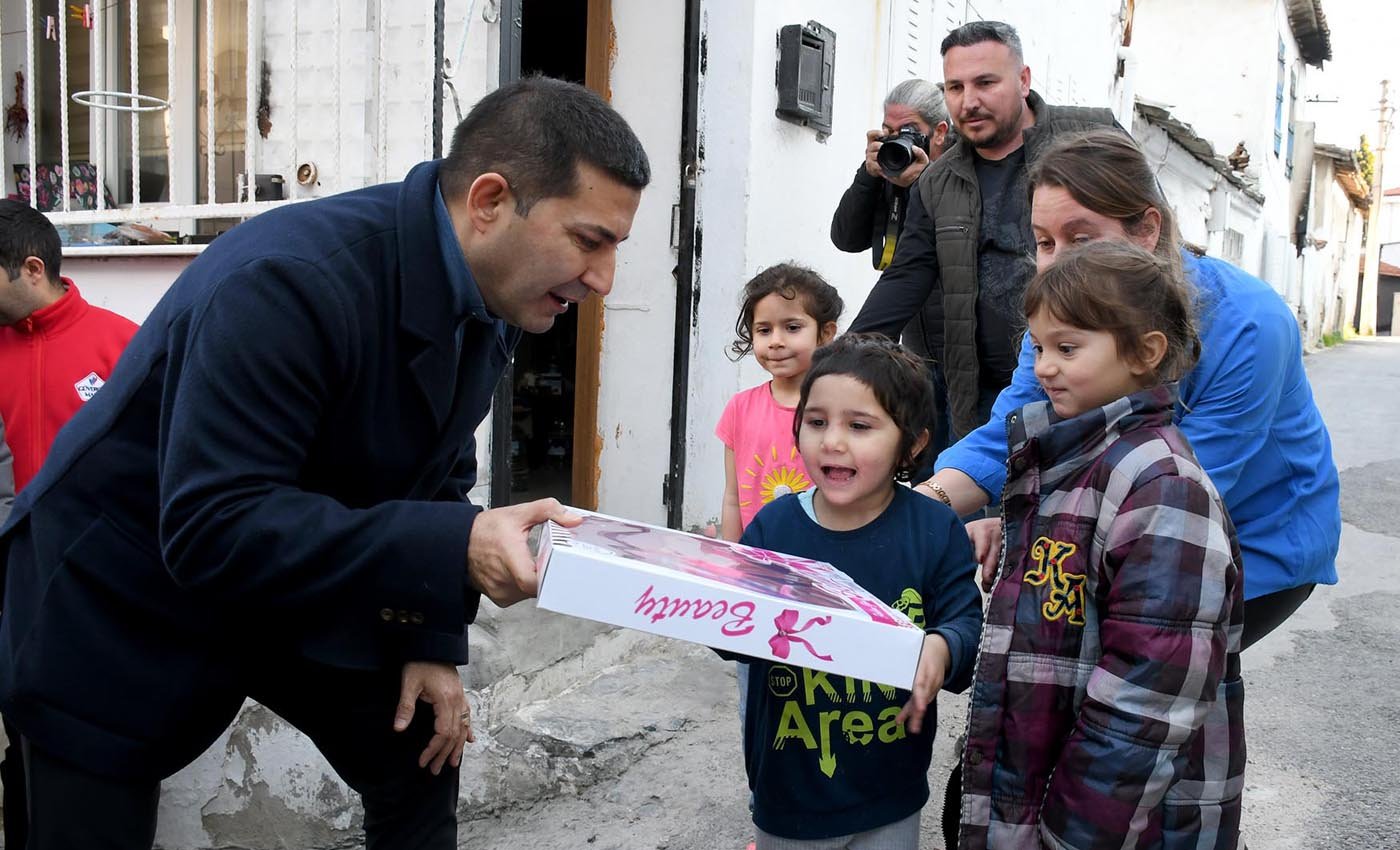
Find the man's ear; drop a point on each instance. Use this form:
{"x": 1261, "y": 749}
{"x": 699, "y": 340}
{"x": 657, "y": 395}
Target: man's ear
{"x": 1148, "y": 231}
{"x": 1025, "y": 76}
{"x": 940, "y": 137}
{"x": 489, "y": 200}
{"x": 34, "y": 271}
{"x": 1152, "y": 350}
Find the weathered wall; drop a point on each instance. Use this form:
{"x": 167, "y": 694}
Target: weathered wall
{"x": 634, "y": 396}
{"x": 1235, "y": 59}
{"x": 1185, "y": 181}
{"x": 1390, "y": 220}
{"x": 1206, "y": 204}
{"x": 123, "y": 283}
{"x": 1332, "y": 257}
{"x": 767, "y": 191}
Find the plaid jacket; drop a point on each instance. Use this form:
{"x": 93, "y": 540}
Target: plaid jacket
{"x": 1107, "y": 710}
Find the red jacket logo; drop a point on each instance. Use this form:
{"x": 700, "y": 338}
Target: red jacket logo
{"x": 88, "y": 387}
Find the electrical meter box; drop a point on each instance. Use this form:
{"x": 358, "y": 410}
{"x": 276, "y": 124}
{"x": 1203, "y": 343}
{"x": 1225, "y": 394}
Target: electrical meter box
{"x": 806, "y": 65}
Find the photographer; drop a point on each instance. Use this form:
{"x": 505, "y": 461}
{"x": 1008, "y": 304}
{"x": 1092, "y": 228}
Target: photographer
{"x": 871, "y": 212}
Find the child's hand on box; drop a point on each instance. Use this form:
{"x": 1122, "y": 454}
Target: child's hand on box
{"x": 934, "y": 661}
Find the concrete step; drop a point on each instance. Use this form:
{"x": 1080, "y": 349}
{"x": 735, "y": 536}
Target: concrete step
{"x": 552, "y": 721}
{"x": 594, "y": 728}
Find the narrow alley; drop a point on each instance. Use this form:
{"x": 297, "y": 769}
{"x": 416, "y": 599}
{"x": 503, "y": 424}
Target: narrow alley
{"x": 1322, "y": 705}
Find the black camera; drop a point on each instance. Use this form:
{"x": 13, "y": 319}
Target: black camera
{"x": 897, "y": 151}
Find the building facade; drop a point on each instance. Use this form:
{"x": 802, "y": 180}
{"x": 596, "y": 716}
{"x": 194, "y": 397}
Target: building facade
{"x": 1252, "y": 57}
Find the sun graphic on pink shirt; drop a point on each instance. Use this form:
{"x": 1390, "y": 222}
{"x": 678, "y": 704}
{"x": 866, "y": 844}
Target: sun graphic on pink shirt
{"x": 775, "y": 477}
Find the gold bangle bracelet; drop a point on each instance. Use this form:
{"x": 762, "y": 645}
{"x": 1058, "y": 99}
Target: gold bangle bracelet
{"x": 937, "y": 490}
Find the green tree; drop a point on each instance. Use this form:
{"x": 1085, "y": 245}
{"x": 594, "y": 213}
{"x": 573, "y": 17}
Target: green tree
{"x": 1367, "y": 159}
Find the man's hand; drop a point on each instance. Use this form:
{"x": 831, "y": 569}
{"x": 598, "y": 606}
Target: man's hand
{"x": 499, "y": 564}
{"x": 985, "y": 535}
{"x": 440, "y": 686}
{"x": 906, "y": 178}
{"x": 872, "y": 147}
{"x": 934, "y": 662}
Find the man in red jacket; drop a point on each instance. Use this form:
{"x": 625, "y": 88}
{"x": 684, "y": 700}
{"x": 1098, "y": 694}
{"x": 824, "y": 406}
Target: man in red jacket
{"x": 56, "y": 351}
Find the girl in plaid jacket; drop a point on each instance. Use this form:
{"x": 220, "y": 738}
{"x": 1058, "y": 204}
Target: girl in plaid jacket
{"x": 1107, "y": 706}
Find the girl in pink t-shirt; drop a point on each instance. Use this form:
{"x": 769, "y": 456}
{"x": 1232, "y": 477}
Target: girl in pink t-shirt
{"x": 788, "y": 311}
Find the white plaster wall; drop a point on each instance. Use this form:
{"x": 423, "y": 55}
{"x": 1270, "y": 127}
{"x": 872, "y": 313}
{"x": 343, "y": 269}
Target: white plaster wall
{"x": 129, "y": 285}
{"x": 1330, "y": 272}
{"x": 1248, "y": 218}
{"x": 1070, "y": 46}
{"x": 1389, "y": 227}
{"x": 1186, "y": 182}
{"x": 1192, "y": 47}
{"x": 1205, "y": 203}
{"x": 767, "y": 192}
{"x": 634, "y": 396}
{"x": 1230, "y": 50}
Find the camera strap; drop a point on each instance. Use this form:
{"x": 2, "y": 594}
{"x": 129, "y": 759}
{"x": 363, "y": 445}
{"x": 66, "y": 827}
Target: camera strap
{"x": 891, "y": 233}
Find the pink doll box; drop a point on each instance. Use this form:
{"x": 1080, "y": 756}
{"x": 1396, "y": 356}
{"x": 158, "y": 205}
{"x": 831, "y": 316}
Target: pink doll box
{"x": 726, "y": 596}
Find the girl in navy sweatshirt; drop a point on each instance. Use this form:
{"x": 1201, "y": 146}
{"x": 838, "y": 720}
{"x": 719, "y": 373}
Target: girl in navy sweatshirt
{"x": 835, "y": 762}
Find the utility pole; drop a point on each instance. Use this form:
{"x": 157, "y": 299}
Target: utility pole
{"x": 1367, "y": 325}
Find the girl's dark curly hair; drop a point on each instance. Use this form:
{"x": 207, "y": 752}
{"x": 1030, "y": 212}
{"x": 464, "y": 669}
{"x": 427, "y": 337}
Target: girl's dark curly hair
{"x": 820, "y": 300}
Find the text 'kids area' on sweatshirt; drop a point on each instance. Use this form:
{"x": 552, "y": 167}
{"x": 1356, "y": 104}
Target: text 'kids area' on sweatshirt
{"x": 824, "y": 754}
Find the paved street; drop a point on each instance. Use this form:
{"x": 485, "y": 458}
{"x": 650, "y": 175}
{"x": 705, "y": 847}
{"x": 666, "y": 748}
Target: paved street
{"x": 1323, "y": 699}
{"x": 1323, "y": 702}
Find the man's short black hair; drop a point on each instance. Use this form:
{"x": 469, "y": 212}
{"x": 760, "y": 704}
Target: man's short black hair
{"x": 534, "y": 132}
{"x": 26, "y": 232}
{"x": 976, "y": 32}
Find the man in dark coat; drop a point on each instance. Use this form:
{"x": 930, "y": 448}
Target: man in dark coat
{"x": 269, "y": 497}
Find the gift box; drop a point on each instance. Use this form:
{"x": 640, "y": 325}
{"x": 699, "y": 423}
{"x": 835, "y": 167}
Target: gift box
{"x": 724, "y": 595}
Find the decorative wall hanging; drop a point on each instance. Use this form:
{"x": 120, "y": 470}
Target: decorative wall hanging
{"x": 16, "y": 115}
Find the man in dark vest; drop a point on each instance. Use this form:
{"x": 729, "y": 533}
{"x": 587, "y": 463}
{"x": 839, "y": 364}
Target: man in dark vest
{"x": 268, "y": 498}
{"x": 967, "y": 236}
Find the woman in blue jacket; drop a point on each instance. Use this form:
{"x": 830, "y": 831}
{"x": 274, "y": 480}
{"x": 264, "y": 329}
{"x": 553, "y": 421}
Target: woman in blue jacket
{"x": 1246, "y": 408}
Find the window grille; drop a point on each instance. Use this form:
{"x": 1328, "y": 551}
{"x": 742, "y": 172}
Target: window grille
{"x": 207, "y": 108}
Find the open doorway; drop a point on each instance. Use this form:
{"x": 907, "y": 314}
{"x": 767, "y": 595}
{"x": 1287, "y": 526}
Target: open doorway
{"x": 545, "y": 419}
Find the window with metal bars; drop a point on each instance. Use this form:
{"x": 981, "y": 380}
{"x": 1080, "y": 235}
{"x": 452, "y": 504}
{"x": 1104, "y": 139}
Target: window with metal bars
{"x": 117, "y": 94}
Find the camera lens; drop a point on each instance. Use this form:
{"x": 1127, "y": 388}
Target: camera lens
{"x": 895, "y": 155}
